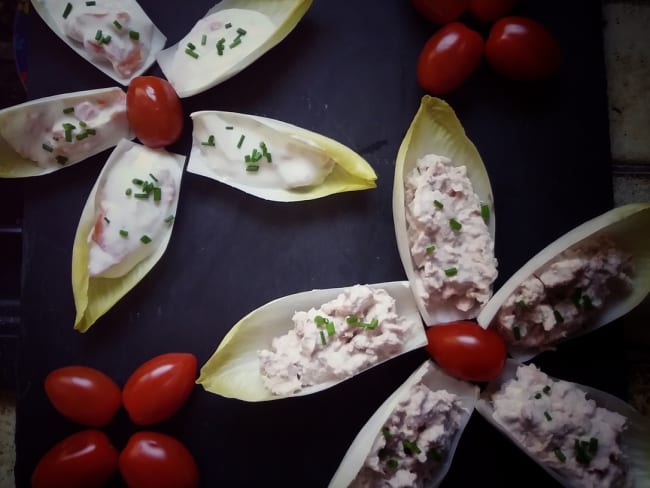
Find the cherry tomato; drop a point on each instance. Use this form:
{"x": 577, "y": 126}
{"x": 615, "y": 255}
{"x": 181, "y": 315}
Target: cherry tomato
{"x": 83, "y": 460}
{"x": 448, "y": 58}
{"x": 159, "y": 387}
{"x": 154, "y": 111}
{"x": 441, "y": 11}
{"x": 490, "y": 10}
{"x": 154, "y": 460}
{"x": 522, "y": 49}
{"x": 84, "y": 395}
{"x": 467, "y": 351}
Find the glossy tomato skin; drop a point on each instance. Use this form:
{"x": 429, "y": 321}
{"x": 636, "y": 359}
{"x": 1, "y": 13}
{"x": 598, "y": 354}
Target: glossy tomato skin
{"x": 154, "y": 111}
{"x": 441, "y": 11}
{"x": 448, "y": 58}
{"x": 86, "y": 459}
{"x": 84, "y": 395}
{"x": 490, "y": 10}
{"x": 522, "y": 49}
{"x": 467, "y": 351}
{"x": 155, "y": 460}
{"x": 159, "y": 387}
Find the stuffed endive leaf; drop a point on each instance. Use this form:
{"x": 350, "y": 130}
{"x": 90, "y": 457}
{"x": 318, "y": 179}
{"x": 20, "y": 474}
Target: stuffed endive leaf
{"x": 48, "y": 134}
{"x": 577, "y": 442}
{"x": 124, "y": 228}
{"x": 585, "y": 279}
{"x": 444, "y": 216}
{"x": 230, "y": 37}
{"x": 115, "y": 36}
{"x": 310, "y": 341}
{"x": 379, "y": 431}
{"x": 273, "y": 160}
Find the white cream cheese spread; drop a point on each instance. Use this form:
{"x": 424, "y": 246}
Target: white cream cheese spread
{"x": 60, "y": 133}
{"x": 559, "y": 298}
{"x": 344, "y": 336}
{"x": 562, "y": 429}
{"x": 134, "y": 207}
{"x": 413, "y": 441}
{"x": 450, "y": 243}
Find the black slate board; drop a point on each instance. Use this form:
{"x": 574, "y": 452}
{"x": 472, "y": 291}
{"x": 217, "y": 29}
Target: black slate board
{"x": 347, "y": 71}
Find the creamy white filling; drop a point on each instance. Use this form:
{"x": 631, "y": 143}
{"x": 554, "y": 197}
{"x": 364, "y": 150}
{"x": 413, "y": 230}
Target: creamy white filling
{"x": 129, "y": 228}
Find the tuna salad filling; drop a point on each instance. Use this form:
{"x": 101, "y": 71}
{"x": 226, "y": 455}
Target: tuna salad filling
{"x": 561, "y": 297}
{"x": 562, "y": 429}
{"x": 354, "y": 331}
{"x": 414, "y": 440}
{"x": 450, "y": 243}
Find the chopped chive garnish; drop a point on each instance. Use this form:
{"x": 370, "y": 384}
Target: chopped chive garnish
{"x": 47, "y": 147}
{"x": 124, "y": 233}
{"x": 593, "y": 445}
{"x": 67, "y": 126}
{"x": 319, "y": 321}
{"x": 241, "y": 31}
{"x": 106, "y": 39}
{"x": 141, "y": 196}
{"x": 263, "y": 147}
{"x": 82, "y": 124}
{"x": 520, "y": 304}
{"x": 241, "y": 141}
{"x": 169, "y": 219}
{"x": 558, "y": 316}
{"x": 145, "y": 239}
{"x": 384, "y": 452}
{"x": 451, "y": 271}
{"x": 157, "y": 193}
{"x": 560, "y": 455}
{"x": 117, "y": 24}
{"x": 538, "y": 396}
{"x": 91, "y": 3}
{"x": 229, "y": 127}
{"x": 247, "y": 158}
{"x": 268, "y": 157}
{"x": 430, "y": 249}
{"x": 68, "y": 135}
{"x": 68, "y": 110}
{"x": 438, "y": 204}
{"x": 454, "y": 224}
{"x": 137, "y": 181}
{"x": 392, "y": 463}
{"x": 209, "y": 142}
{"x": 352, "y": 319}
{"x": 548, "y": 416}
{"x": 61, "y": 160}
{"x": 329, "y": 326}
{"x": 434, "y": 454}
{"x": 67, "y": 10}
{"x": 373, "y": 324}
{"x": 106, "y": 220}
{"x": 91, "y": 132}
{"x": 99, "y": 35}
{"x": 191, "y": 46}
{"x": 236, "y": 42}
{"x": 135, "y": 35}
{"x": 516, "y": 332}
{"x": 485, "y": 212}
{"x": 386, "y": 433}
{"x": 221, "y": 46}
{"x": 252, "y": 167}
{"x": 81, "y": 136}
{"x": 228, "y": 25}
{"x": 189, "y": 52}
{"x": 322, "y": 338}
{"x": 410, "y": 447}
{"x": 546, "y": 390}
{"x": 128, "y": 192}
{"x": 153, "y": 177}
{"x": 204, "y": 39}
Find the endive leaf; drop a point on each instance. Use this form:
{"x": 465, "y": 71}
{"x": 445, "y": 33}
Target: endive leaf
{"x": 434, "y": 379}
{"x": 263, "y": 25}
{"x": 150, "y": 39}
{"x": 635, "y": 438}
{"x": 30, "y": 126}
{"x": 234, "y": 369}
{"x": 94, "y": 296}
{"x": 236, "y": 135}
{"x": 628, "y": 227}
{"x": 435, "y": 129}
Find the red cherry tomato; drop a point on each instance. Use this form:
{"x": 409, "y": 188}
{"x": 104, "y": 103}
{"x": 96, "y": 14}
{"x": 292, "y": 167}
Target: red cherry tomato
{"x": 522, "y": 49}
{"x": 159, "y": 387}
{"x": 467, "y": 351}
{"x": 490, "y": 10}
{"x": 441, "y": 11}
{"x": 154, "y": 111}
{"x": 83, "y": 460}
{"x": 84, "y": 395}
{"x": 448, "y": 58}
{"x": 154, "y": 460}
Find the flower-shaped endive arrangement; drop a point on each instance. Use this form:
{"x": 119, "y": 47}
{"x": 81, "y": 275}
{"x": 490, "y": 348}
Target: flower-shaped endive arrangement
{"x": 153, "y": 393}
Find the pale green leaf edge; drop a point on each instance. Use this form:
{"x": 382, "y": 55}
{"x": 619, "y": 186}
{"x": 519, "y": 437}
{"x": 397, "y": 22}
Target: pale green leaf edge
{"x": 629, "y": 226}
{"x": 435, "y": 129}
{"x": 285, "y": 14}
{"x": 13, "y": 165}
{"x": 233, "y": 369}
{"x": 93, "y": 297}
{"x": 157, "y": 43}
{"x": 635, "y": 439}
{"x": 435, "y": 379}
{"x": 351, "y": 173}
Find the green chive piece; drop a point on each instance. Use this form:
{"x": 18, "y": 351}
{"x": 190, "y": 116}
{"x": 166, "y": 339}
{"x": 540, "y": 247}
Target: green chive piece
{"x": 124, "y": 233}
{"x": 128, "y": 192}
{"x": 430, "y": 249}
{"x": 410, "y": 447}
{"x": 228, "y": 25}
{"x": 137, "y": 181}
{"x": 134, "y": 35}
{"x": 235, "y": 43}
{"x": 593, "y": 445}
{"x": 117, "y": 24}
{"x": 169, "y": 219}
{"x": 252, "y": 168}
{"x": 91, "y": 3}
{"x": 373, "y": 324}
{"x": 145, "y": 239}
{"x": 191, "y": 46}
{"x": 204, "y": 39}
{"x": 81, "y": 136}
{"x": 68, "y": 110}
{"x": 209, "y": 142}
{"x": 454, "y": 224}
{"x": 191, "y": 53}
{"x": 558, "y": 316}
{"x": 68, "y": 126}
{"x": 82, "y": 124}
{"x": 319, "y": 321}
{"x": 157, "y": 193}
{"x": 68, "y": 136}
{"x": 241, "y": 141}
{"x": 383, "y": 453}
{"x": 91, "y": 132}
{"x": 67, "y": 10}
{"x": 434, "y": 454}
{"x": 392, "y": 463}
{"x": 106, "y": 39}
{"x": 141, "y": 196}
{"x": 451, "y": 271}
{"x": 546, "y": 390}
{"x": 241, "y": 31}
{"x": 153, "y": 177}
{"x": 548, "y": 416}
{"x": 268, "y": 157}
{"x": 61, "y": 160}
{"x": 99, "y": 35}
{"x": 516, "y": 332}
{"x": 247, "y": 158}
{"x": 229, "y": 127}
{"x": 329, "y": 326}
{"x": 386, "y": 433}
{"x": 485, "y": 212}
{"x": 352, "y": 319}
{"x": 438, "y": 204}
{"x": 560, "y": 455}
{"x": 520, "y": 304}
{"x": 106, "y": 220}
{"x": 538, "y": 396}
{"x": 322, "y": 338}
{"x": 47, "y": 147}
